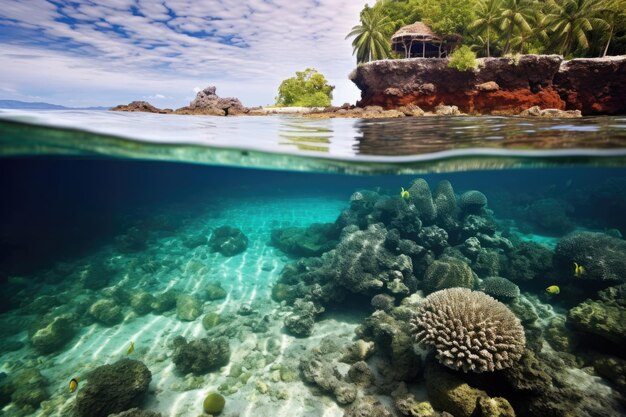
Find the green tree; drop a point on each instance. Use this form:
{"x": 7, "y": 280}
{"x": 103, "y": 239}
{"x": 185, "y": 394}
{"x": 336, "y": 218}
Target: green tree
{"x": 371, "y": 37}
{"x": 448, "y": 17}
{"x": 486, "y": 23}
{"x": 614, "y": 15}
{"x": 308, "y": 88}
{"x": 517, "y": 16}
{"x": 463, "y": 59}
{"x": 571, "y": 21}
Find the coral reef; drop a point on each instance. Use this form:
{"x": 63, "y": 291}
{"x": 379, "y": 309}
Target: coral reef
{"x": 200, "y": 356}
{"x": 528, "y": 262}
{"x": 228, "y": 241}
{"x": 472, "y": 202}
{"x": 551, "y": 215}
{"x": 305, "y": 241}
{"x": 600, "y": 319}
{"x": 50, "y": 335}
{"x": 113, "y": 388}
{"x": 469, "y": 330}
{"x": 448, "y": 273}
{"x": 601, "y": 255}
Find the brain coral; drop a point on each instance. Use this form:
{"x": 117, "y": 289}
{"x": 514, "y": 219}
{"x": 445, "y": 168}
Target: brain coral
{"x": 472, "y": 201}
{"x": 469, "y": 330}
{"x": 499, "y": 287}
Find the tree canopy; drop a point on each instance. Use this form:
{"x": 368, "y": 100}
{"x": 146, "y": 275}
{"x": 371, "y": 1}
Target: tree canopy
{"x": 308, "y": 88}
{"x": 573, "y": 28}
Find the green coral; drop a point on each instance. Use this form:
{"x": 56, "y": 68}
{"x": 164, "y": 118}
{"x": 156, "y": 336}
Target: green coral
{"x": 213, "y": 403}
{"x": 448, "y": 273}
{"x": 601, "y": 319}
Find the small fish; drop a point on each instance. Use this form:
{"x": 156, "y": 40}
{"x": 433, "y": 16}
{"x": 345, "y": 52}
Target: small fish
{"x": 553, "y": 289}
{"x": 131, "y": 348}
{"x": 579, "y": 270}
{"x": 73, "y": 384}
{"x": 404, "y": 193}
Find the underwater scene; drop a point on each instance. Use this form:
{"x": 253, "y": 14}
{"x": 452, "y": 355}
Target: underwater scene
{"x": 145, "y": 278}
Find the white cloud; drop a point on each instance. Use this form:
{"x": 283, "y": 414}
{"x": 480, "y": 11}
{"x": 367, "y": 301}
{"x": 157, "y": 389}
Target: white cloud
{"x": 110, "y": 52}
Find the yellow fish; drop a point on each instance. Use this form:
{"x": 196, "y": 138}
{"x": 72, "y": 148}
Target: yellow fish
{"x": 73, "y": 384}
{"x": 578, "y": 270}
{"x": 131, "y": 348}
{"x": 403, "y": 193}
{"x": 553, "y": 289}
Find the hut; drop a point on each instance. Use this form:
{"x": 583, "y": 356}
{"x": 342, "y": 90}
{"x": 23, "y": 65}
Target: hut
{"x": 417, "y": 41}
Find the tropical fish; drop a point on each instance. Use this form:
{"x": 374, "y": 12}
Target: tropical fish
{"x": 404, "y": 193}
{"x": 73, "y": 384}
{"x": 578, "y": 270}
{"x": 553, "y": 289}
{"x": 131, "y": 348}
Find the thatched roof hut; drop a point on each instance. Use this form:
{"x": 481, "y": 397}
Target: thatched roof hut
{"x": 417, "y": 40}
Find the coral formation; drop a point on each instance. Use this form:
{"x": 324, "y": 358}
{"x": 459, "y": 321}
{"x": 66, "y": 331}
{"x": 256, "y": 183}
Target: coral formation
{"x": 472, "y": 202}
{"x": 310, "y": 241}
{"x": 601, "y": 255}
{"x": 113, "y": 388}
{"x": 50, "y": 335}
{"x": 214, "y": 291}
{"x": 421, "y": 197}
{"x": 500, "y": 288}
{"x": 448, "y": 273}
{"x": 213, "y": 403}
{"x": 469, "y": 330}
{"x": 600, "y": 319}
{"x": 188, "y": 307}
{"x": 106, "y": 312}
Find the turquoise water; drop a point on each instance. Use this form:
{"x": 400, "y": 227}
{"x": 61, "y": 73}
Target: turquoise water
{"x": 109, "y": 233}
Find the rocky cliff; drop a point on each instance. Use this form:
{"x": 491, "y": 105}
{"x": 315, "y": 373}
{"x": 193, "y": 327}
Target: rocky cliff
{"x": 498, "y": 86}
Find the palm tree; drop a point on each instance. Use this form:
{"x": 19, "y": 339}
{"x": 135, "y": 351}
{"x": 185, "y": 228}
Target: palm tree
{"x": 371, "y": 42}
{"x": 615, "y": 9}
{"x": 517, "y": 16}
{"x": 487, "y": 14}
{"x": 570, "y": 22}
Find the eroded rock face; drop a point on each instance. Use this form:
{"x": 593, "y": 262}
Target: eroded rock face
{"x": 140, "y": 106}
{"x": 207, "y": 102}
{"x": 503, "y": 86}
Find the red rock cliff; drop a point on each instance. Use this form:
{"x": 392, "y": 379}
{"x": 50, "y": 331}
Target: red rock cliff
{"x": 499, "y": 86}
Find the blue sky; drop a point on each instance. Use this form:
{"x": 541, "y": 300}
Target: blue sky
{"x": 84, "y": 53}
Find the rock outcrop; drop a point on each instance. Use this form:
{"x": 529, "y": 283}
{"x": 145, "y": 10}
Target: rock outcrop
{"x": 504, "y": 86}
{"x": 207, "y": 102}
{"x": 140, "y": 106}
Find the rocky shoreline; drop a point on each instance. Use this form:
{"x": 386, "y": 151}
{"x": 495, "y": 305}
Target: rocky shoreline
{"x": 526, "y": 86}
{"x": 500, "y": 86}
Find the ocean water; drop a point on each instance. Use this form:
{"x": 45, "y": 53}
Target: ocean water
{"x": 309, "y": 304}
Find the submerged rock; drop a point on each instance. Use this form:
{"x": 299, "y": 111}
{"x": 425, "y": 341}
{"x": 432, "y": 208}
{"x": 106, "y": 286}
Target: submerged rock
{"x": 228, "y": 241}
{"x": 214, "y": 291}
{"x": 305, "y": 241}
{"x": 136, "y": 412}
{"x": 106, "y": 312}
{"x": 26, "y": 389}
{"x": 601, "y": 319}
{"x": 188, "y": 307}
{"x": 200, "y": 356}
{"x": 51, "y": 335}
{"x": 113, "y": 388}
{"x": 142, "y": 303}
{"x": 324, "y": 375}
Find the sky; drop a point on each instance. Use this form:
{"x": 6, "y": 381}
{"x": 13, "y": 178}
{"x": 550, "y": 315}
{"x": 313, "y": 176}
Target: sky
{"x": 87, "y": 53}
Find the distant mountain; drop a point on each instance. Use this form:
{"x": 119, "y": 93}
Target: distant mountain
{"x": 16, "y": 104}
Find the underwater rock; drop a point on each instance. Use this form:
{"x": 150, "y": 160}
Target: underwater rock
{"x": 358, "y": 351}
{"x": 306, "y": 241}
{"x": 228, "y": 241}
{"x": 192, "y": 242}
{"x": 383, "y": 302}
{"x": 487, "y": 264}
{"x": 44, "y": 303}
{"x": 614, "y": 295}
{"x": 603, "y": 257}
{"x": 421, "y": 197}
{"x": 210, "y": 320}
{"x": 465, "y": 327}
{"x": 134, "y": 240}
{"x": 214, "y": 291}
{"x": 51, "y": 335}
{"x": 472, "y": 202}
{"x": 480, "y": 227}
{"x": 113, "y": 388}
{"x": 434, "y": 238}
{"x": 316, "y": 371}
{"x": 200, "y": 356}
{"x": 395, "y": 213}
{"x": 448, "y": 273}
{"x": 612, "y": 369}
{"x": 299, "y": 325}
{"x": 525, "y": 310}
{"x": 392, "y": 336}
{"x": 528, "y": 261}
{"x": 559, "y": 336}
{"x": 188, "y": 307}
{"x": 142, "y": 303}
{"x": 281, "y": 292}
{"x": 471, "y": 247}
{"x": 367, "y": 406}
{"x": 97, "y": 275}
{"x": 26, "y": 389}
{"x": 360, "y": 374}
{"x": 136, "y": 412}
{"x": 551, "y": 215}
{"x": 600, "y": 319}
{"x": 106, "y": 312}
{"x": 407, "y": 405}
{"x": 165, "y": 301}
{"x": 500, "y": 288}
{"x": 213, "y": 403}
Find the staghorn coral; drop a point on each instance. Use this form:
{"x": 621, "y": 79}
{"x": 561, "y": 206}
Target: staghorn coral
{"x": 470, "y": 330}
